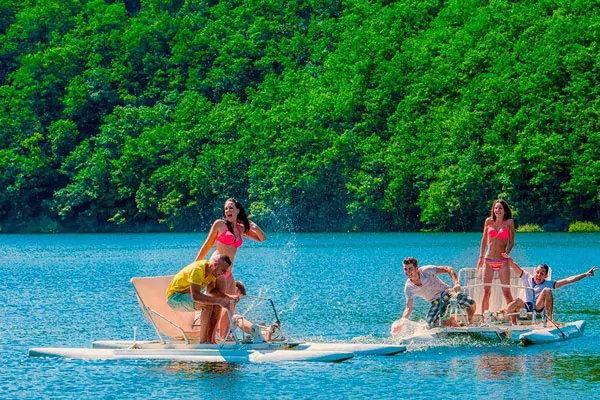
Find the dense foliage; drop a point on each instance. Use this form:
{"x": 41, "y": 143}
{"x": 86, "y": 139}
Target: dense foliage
{"x": 319, "y": 115}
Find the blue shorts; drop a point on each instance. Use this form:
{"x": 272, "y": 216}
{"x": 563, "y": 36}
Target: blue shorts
{"x": 181, "y": 301}
{"x": 530, "y": 307}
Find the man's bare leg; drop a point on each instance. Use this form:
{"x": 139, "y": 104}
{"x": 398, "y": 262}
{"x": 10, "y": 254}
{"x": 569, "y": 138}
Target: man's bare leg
{"x": 227, "y": 286}
{"x": 471, "y": 313}
{"x": 213, "y": 323}
{"x": 205, "y": 331}
{"x": 546, "y": 299}
{"x": 513, "y": 308}
{"x": 450, "y": 322}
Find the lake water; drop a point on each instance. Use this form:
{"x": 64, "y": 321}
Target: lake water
{"x": 68, "y": 290}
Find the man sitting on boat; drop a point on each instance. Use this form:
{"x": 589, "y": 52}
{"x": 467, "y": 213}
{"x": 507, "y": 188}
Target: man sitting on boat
{"x": 424, "y": 282}
{"x": 185, "y": 292}
{"x": 538, "y": 290}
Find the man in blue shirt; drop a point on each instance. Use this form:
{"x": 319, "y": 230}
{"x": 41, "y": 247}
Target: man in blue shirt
{"x": 538, "y": 290}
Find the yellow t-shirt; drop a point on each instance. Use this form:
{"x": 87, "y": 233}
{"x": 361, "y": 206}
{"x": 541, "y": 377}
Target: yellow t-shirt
{"x": 193, "y": 273}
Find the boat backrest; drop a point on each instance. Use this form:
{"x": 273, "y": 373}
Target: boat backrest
{"x": 151, "y": 294}
{"x": 471, "y": 281}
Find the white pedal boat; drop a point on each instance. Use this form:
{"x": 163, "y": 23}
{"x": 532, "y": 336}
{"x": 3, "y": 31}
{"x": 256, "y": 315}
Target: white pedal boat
{"x": 531, "y": 328}
{"x": 182, "y": 344}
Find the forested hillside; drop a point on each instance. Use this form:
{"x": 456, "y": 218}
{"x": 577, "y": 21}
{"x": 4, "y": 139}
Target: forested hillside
{"x": 319, "y": 115}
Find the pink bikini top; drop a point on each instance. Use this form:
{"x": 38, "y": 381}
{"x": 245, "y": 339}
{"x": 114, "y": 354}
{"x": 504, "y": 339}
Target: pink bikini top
{"x": 501, "y": 234}
{"x": 228, "y": 238}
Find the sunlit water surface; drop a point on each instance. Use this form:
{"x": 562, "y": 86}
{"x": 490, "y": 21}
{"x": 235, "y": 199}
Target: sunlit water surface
{"x": 68, "y": 290}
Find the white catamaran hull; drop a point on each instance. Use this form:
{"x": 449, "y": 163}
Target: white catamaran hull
{"x": 550, "y": 335}
{"x": 525, "y": 334}
{"x": 358, "y": 349}
{"x": 193, "y": 355}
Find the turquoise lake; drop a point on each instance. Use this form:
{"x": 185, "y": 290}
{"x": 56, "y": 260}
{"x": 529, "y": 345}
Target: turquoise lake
{"x": 69, "y": 290}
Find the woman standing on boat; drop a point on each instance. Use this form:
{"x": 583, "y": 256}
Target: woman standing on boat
{"x": 499, "y": 238}
{"x": 226, "y": 235}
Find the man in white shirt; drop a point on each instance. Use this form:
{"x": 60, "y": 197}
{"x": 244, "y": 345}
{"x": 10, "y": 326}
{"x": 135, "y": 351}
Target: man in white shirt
{"x": 424, "y": 282}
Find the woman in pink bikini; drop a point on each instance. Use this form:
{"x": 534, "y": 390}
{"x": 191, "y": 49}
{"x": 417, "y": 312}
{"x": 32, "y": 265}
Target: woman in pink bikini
{"x": 498, "y": 237}
{"x": 226, "y": 234}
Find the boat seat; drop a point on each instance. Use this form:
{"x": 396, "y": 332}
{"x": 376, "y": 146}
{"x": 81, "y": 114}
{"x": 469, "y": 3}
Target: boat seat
{"x": 168, "y": 322}
{"x": 532, "y": 317}
{"x": 471, "y": 282}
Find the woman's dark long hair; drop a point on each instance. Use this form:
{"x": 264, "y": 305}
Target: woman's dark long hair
{"x": 241, "y": 216}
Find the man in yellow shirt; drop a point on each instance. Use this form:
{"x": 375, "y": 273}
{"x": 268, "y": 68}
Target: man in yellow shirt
{"x": 185, "y": 292}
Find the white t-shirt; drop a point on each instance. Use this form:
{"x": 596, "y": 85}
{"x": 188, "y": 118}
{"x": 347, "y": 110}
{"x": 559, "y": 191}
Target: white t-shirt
{"x": 528, "y": 282}
{"x": 431, "y": 286}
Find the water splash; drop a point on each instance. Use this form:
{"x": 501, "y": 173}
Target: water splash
{"x": 285, "y": 257}
{"x": 291, "y": 306}
{"x": 405, "y": 328}
{"x": 417, "y": 337}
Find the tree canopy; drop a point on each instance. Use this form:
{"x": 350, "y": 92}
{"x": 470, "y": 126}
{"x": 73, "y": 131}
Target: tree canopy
{"x": 318, "y": 115}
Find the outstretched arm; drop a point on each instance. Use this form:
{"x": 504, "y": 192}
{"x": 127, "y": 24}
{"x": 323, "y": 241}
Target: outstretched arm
{"x": 450, "y": 271}
{"x": 255, "y": 233}
{"x": 399, "y": 324}
{"x": 210, "y": 240}
{"x": 408, "y": 309}
{"x": 484, "y": 239}
{"x": 518, "y": 270}
{"x": 511, "y": 235}
{"x": 574, "y": 278}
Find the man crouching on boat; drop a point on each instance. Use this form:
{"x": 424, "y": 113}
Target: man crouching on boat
{"x": 185, "y": 292}
{"x": 424, "y": 282}
{"x": 538, "y": 292}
